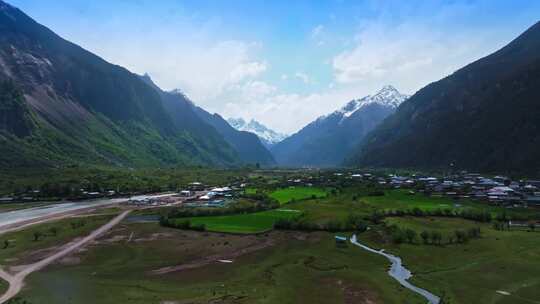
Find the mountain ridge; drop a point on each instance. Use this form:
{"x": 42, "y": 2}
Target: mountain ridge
{"x": 483, "y": 117}
{"x": 327, "y": 140}
{"x": 249, "y": 148}
{"x": 69, "y": 120}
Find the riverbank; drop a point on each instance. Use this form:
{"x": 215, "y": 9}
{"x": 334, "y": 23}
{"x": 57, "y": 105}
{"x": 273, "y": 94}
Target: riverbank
{"x": 399, "y": 272}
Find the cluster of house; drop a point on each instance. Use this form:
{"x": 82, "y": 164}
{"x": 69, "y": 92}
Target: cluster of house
{"x": 214, "y": 197}
{"x": 497, "y": 190}
{"x": 155, "y": 200}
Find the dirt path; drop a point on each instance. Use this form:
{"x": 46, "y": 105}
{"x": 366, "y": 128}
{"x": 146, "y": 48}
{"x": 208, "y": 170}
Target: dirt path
{"x": 16, "y": 281}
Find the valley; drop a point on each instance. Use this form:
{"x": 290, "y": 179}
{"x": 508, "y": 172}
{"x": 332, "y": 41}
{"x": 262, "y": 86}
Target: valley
{"x": 233, "y": 253}
{"x": 241, "y": 152}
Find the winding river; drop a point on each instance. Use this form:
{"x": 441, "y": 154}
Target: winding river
{"x": 399, "y": 273}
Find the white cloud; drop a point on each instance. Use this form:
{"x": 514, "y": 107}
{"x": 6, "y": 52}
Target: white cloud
{"x": 245, "y": 70}
{"x": 317, "y": 34}
{"x": 317, "y": 31}
{"x": 254, "y": 90}
{"x": 303, "y": 76}
{"x": 409, "y": 54}
{"x": 227, "y": 75}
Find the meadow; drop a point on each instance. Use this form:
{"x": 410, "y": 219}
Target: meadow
{"x": 286, "y": 195}
{"x": 243, "y": 223}
{"x": 291, "y": 268}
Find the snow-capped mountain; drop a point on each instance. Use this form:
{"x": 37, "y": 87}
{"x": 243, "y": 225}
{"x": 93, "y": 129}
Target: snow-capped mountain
{"x": 268, "y": 136}
{"x": 388, "y": 96}
{"x": 330, "y": 138}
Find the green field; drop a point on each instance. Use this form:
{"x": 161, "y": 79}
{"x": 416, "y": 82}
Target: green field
{"x": 251, "y": 190}
{"x": 285, "y": 195}
{"x": 295, "y": 268}
{"x": 243, "y": 223}
{"x": 400, "y": 199}
{"x": 446, "y": 226}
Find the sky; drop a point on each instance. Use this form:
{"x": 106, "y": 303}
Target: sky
{"x": 285, "y": 63}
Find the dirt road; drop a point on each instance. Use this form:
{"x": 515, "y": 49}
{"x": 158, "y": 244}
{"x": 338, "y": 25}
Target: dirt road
{"x": 16, "y": 281}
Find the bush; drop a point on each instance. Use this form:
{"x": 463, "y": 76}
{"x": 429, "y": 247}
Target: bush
{"x": 425, "y": 236}
{"x": 333, "y": 226}
{"x": 376, "y": 193}
{"x": 461, "y": 236}
{"x": 181, "y": 224}
{"x": 410, "y": 235}
{"x": 259, "y": 202}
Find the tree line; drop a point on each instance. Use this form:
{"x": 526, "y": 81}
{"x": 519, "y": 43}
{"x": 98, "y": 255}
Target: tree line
{"x": 401, "y": 235}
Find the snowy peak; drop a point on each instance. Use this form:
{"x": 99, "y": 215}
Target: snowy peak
{"x": 388, "y": 96}
{"x": 268, "y": 136}
{"x": 237, "y": 123}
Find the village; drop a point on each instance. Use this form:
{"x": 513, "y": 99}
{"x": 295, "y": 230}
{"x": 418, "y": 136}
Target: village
{"x": 498, "y": 190}
{"x": 196, "y": 195}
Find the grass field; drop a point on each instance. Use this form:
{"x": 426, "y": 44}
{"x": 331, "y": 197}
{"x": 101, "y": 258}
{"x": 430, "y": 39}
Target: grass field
{"x": 400, "y": 199}
{"x": 285, "y": 195}
{"x": 243, "y": 223}
{"x": 3, "y": 286}
{"x": 295, "y": 268}
{"x": 250, "y": 190}
{"x": 504, "y": 261}
{"x": 358, "y": 202}
{"x": 446, "y": 226}
{"x": 22, "y": 243}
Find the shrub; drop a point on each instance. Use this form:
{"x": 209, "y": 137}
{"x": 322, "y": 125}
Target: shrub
{"x": 410, "y": 235}
{"x": 425, "y": 236}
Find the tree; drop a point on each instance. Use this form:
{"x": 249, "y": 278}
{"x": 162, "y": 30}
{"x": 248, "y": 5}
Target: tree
{"x": 37, "y": 235}
{"x": 425, "y": 236}
{"x": 436, "y": 237}
{"x": 53, "y": 231}
{"x": 411, "y": 235}
{"x": 461, "y": 236}
{"x": 532, "y": 225}
{"x": 376, "y": 217}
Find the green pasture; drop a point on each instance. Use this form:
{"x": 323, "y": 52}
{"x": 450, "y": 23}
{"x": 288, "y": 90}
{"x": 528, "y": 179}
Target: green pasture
{"x": 243, "y": 223}
{"x": 285, "y": 195}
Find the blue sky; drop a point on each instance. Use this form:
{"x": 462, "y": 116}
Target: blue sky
{"x": 285, "y": 63}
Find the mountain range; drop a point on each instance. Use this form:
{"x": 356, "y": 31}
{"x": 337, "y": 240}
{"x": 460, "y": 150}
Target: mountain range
{"x": 268, "y": 136}
{"x": 62, "y": 105}
{"x": 329, "y": 139}
{"x": 484, "y": 117}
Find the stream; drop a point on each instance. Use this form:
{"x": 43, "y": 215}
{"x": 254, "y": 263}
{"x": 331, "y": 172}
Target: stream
{"x": 400, "y": 273}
